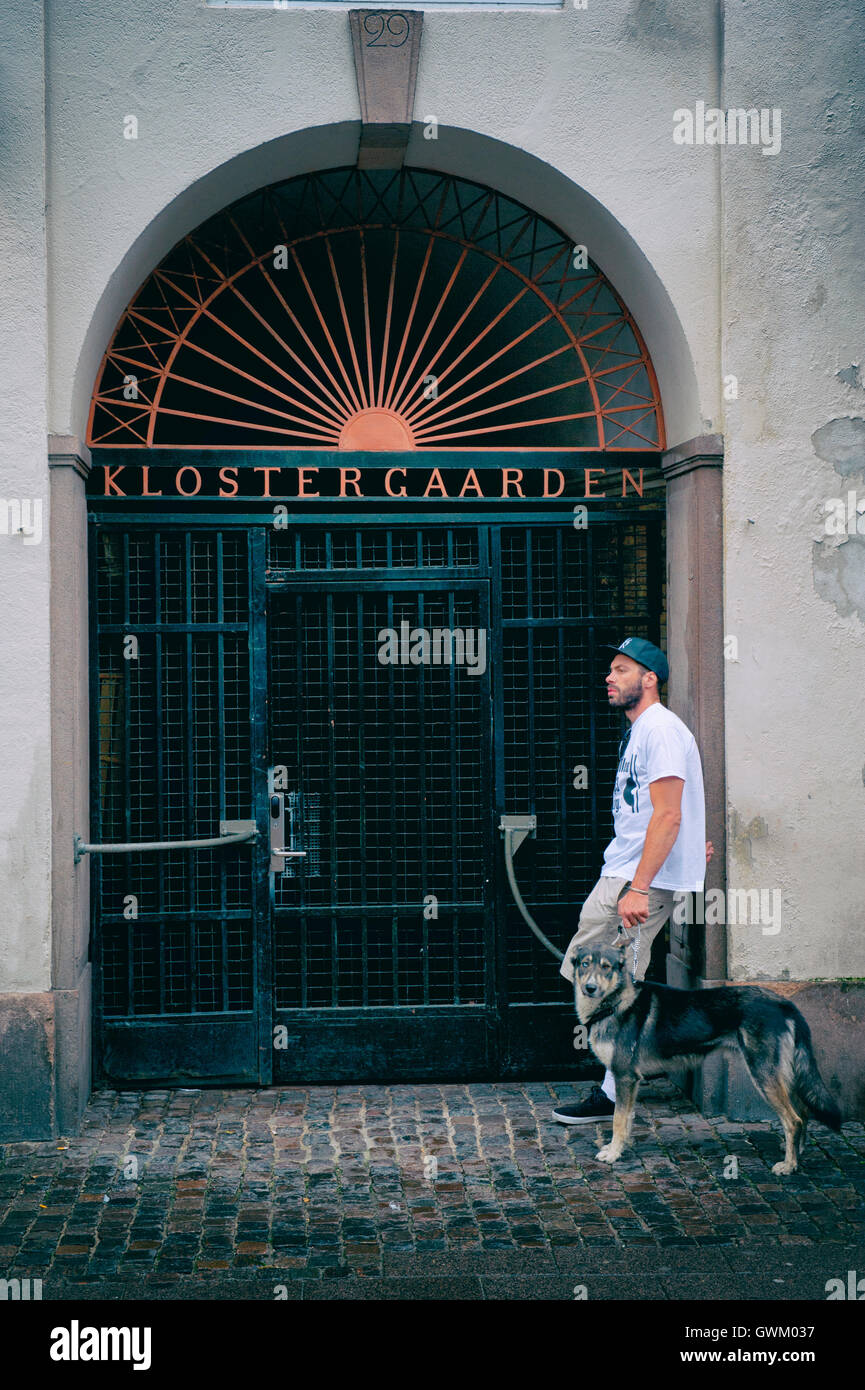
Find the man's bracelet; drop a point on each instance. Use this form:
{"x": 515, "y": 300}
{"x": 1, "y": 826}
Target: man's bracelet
{"x": 644, "y": 891}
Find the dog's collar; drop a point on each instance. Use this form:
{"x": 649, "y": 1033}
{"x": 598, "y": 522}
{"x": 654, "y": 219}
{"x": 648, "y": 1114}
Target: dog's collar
{"x": 603, "y": 1012}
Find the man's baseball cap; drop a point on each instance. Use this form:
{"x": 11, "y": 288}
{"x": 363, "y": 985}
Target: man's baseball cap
{"x": 639, "y": 649}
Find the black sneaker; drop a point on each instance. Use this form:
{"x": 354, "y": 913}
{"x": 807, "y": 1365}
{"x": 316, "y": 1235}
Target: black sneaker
{"x": 596, "y": 1107}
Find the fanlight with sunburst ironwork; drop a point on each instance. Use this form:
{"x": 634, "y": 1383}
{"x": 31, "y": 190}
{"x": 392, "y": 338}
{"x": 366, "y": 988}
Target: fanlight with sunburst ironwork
{"x": 362, "y": 309}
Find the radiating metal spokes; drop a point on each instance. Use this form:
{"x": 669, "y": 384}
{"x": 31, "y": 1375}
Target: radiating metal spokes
{"x": 377, "y": 310}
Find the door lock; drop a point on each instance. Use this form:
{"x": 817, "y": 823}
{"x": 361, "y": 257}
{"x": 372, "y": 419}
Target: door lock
{"x": 280, "y": 852}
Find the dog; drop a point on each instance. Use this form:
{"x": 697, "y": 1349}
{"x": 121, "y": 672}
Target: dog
{"x": 638, "y": 1027}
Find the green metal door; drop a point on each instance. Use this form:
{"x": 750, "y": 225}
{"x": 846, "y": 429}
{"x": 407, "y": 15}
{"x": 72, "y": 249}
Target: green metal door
{"x": 392, "y": 948}
{"x": 397, "y": 949}
{"x": 383, "y": 935}
{"x": 177, "y": 947}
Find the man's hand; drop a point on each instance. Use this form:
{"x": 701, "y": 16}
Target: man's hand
{"x": 710, "y": 850}
{"x": 633, "y": 909}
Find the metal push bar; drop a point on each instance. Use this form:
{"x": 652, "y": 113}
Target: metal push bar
{"x": 232, "y": 832}
{"x": 514, "y": 830}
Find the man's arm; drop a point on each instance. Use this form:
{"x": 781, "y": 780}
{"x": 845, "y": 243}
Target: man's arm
{"x": 661, "y": 832}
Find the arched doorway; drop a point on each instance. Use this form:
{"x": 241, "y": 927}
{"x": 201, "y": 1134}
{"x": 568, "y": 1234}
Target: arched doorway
{"x": 350, "y": 573}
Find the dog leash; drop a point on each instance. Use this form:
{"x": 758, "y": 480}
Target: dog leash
{"x": 622, "y": 931}
{"x": 635, "y": 943}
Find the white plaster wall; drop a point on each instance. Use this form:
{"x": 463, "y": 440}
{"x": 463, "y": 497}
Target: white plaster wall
{"x": 794, "y": 316}
{"x": 586, "y": 98}
{"x": 589, "y": 94}
{"x": 25, "y": 803}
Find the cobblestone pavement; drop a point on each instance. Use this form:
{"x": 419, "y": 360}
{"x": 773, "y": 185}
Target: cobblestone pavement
{"x": 422, "y": 1192}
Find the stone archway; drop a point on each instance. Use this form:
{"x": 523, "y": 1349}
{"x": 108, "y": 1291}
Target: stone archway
{"x": 693, "y": 497}
{"x": 512, "y": 172}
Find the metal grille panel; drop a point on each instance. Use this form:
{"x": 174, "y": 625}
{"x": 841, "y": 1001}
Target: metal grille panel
{"x": 374, "y": 548}
{"x": 566, "y": 594}
{"x": 397, "y": 756}
{"x": 174, "y": 759}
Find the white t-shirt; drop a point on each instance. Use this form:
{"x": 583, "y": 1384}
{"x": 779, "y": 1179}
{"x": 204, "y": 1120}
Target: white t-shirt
{"x": 660, "y": 745}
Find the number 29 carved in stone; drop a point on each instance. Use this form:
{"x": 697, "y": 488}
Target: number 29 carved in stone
{"x": 386, "y": 29}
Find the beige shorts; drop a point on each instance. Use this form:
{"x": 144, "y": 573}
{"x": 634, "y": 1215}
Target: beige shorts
{"x": 600, "y": 924}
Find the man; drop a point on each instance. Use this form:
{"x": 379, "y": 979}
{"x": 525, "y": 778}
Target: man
{"x": 659, "y": 846}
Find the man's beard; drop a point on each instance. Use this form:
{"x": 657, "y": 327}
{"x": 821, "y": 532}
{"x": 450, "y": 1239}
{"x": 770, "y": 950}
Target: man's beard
{"x": 630, "y": 696}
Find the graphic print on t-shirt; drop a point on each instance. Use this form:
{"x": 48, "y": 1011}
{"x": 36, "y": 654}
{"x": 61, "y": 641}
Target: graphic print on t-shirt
{"x": 658, "y": 745}
{"x": 631, "y": 788}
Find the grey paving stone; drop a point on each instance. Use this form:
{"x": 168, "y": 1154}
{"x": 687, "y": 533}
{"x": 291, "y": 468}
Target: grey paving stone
{"x": 403, "y": 1290}
{"x": 604, "y": 1287}
{"x": 832, "y": 1256}
{"x": 647, "y": 1260}
{"x": 56, "y": 1292}
{"x": 737, "y": 1287}
{"x": 522, "y": 1288}
{"x": 503, "y": 1262}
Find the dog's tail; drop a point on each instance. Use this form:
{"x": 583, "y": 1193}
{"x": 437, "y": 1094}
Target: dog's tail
{"x": 809, "y": 1083}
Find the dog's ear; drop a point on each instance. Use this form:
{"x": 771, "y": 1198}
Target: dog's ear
{"x": 618, "y": 959}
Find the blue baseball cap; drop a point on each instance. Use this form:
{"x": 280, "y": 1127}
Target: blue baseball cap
{"x": 646, "y": 653}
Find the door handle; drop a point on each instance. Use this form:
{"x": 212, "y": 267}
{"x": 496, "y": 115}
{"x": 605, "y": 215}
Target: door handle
{"x": 231, "y": 832}
{"x": 295, "y": 820}
{"x": 513, "y": 830}
{"x": 278, "y": 850}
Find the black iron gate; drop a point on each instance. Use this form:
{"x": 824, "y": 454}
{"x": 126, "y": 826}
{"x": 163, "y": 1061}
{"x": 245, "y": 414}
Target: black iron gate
{"x": 235, "y": 663}
{"x": 176, "y": 933}
{"x": 383, "y": 935}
